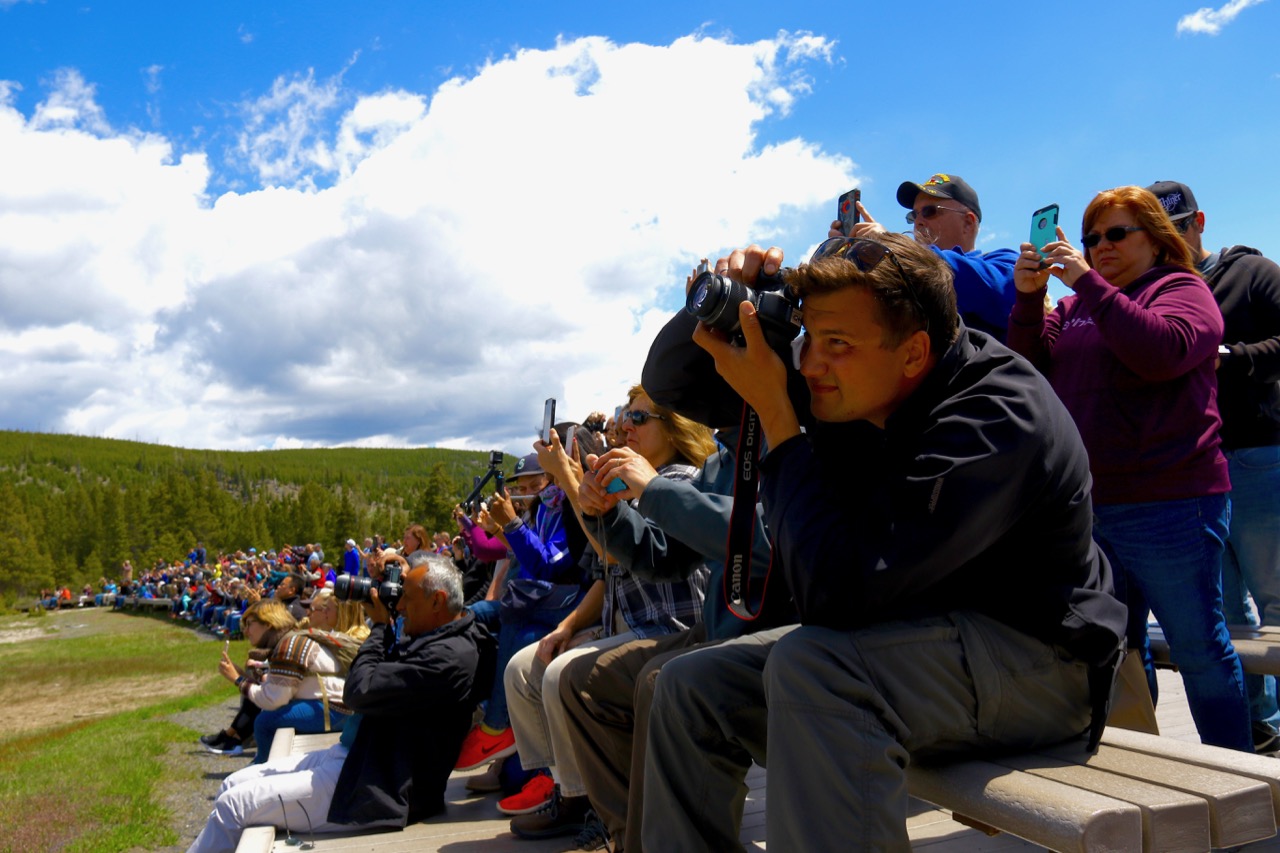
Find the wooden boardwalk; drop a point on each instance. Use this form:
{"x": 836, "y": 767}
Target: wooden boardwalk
{"x": 474, "y": 825}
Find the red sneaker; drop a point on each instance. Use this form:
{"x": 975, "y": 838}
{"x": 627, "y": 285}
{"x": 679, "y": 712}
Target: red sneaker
{"x": 480, "y": 747}
{"x": 536, "y": 793}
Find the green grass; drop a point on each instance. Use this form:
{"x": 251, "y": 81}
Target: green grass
{"x": 91, "y": 784}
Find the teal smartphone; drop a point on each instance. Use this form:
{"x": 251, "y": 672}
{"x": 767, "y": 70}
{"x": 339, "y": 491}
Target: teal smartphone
{"x": 1044, "y": 226}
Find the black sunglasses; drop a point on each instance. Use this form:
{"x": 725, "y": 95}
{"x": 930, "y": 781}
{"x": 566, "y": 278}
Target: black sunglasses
{"x": 929, "y": 211}
{"x": 1113, "y": 235}
{"x": 866, "y": 255}
{"x": 1185, "y": 222}
{"x": 640, "y": 418}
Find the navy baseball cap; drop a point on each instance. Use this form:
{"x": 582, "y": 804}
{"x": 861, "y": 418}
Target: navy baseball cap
{"x": 941, "y": 185}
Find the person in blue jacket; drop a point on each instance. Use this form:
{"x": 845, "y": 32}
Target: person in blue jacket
{"x": 543, "y": 584}
{"x": 945, "y": 215}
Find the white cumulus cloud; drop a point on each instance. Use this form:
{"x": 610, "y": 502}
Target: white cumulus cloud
{"x": 416, "y": 268}
{"x": 1210, "y": 21}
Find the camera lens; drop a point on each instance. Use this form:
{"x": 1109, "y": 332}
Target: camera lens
{"x": 348, "y": 588}
{"x": 714, "y": 300}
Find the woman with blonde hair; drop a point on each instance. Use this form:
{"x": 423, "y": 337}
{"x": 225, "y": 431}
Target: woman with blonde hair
{"x": 291, "y": 677}
{"x": 330, "y": 614}
{"x": 1132, "y": 355}
{"x": 617, "y": 609}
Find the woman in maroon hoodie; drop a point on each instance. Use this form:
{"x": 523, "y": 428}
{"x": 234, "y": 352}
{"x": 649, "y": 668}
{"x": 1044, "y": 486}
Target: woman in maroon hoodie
{"x": 1132, "y": 355}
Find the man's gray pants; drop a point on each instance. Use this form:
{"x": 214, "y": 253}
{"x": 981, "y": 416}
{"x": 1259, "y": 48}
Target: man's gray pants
{"x": 842, "y": 713}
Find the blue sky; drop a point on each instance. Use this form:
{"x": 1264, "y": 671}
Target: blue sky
{"x": 254, "y": 225}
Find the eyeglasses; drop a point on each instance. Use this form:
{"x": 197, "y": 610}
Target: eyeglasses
{"x": 929, "y": 211}
{"x": 1184, "y": 222}
{"x": 866, "y": 255}
{"x": 640, "y": 418}
{"x": 1112, "y": 235}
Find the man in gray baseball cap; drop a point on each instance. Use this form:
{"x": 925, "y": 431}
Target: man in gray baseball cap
{"x": 1246, "y": 286}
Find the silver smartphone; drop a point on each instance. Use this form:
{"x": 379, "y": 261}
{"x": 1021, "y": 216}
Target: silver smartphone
{"x": 548, "y": 418}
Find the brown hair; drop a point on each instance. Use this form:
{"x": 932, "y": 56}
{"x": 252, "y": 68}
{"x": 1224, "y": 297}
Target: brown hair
{"x": 1150, "y": 216}
{"x": 420, "y": 533}
{"x": 927, "y": 278}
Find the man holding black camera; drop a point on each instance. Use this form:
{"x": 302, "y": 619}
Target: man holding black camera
{"x": 934, "y": 526}
{"x": 384, "y": 771}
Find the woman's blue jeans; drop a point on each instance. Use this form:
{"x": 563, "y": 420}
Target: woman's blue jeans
{"x": 306, "y": 716}
{"x": 1167, "y": 558}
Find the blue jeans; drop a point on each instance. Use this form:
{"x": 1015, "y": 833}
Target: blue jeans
{"x": 304, "y": 715}
{"x": 1251, "y": 564}
{"x": 1167, "y": 558}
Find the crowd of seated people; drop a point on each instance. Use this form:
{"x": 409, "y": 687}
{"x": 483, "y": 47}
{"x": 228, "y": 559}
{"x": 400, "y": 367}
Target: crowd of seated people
{"x": 931, "y": 502}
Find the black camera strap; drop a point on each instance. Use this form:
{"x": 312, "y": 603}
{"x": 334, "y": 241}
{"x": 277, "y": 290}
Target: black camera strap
{"x": 742, "y": 523}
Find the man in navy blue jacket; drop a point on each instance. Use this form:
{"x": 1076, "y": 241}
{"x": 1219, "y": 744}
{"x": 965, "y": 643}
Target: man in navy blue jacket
{"x": 934, "y": 527}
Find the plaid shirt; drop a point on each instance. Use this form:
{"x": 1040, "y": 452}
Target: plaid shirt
{"x": 654, "y": 609}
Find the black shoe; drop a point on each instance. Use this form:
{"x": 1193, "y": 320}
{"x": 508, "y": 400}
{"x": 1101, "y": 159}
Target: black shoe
{"x": 594, "y": 835}
{"x": 561, "y": 816}
{"x": 213, "y": 739}
{"x": 225, "y": 745}
{"x": 1265, "y": 737}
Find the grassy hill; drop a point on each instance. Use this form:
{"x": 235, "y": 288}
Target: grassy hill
{"x": 72, "y": 509}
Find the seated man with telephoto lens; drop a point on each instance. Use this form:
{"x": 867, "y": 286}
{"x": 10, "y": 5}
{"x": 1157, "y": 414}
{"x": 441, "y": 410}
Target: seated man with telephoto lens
{"x": 413, "y": 702}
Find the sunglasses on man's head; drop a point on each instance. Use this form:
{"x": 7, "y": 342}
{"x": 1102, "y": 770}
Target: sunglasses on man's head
{"x": 1112, "y": 235}
{"x": 866, "y": 255}
{"x": 640, "y": 418}
{"x": 929, "y": 211}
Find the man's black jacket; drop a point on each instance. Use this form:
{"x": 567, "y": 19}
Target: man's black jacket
{"x": 416, "y": 701}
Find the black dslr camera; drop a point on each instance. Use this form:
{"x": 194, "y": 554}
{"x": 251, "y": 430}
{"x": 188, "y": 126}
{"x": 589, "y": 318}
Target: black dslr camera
{"x": 714, "y": 299}
{"x": 351, "y": 588}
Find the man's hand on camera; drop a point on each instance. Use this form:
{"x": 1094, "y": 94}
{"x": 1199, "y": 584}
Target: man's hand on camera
{"x": 377, "y": 611}
{"x": 744, "y": 265}
{"x": 755, "y": 371}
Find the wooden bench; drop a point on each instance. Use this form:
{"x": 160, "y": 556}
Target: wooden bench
{"x": 134, "y": 602}
{"x": 1258, "y": 648}
{"x": 1138, "y": 792}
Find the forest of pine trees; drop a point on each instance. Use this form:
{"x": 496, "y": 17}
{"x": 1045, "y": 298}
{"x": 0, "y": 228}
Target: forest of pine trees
{"x": 72, "y": 509}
